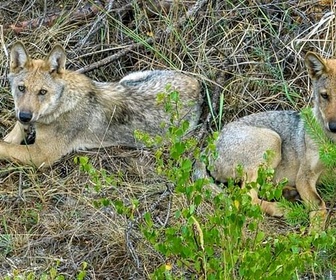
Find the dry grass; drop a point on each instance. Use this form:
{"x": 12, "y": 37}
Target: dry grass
{"x": 249, "y": 55}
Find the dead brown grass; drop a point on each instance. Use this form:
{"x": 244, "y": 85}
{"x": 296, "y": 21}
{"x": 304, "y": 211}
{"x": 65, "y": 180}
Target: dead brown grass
{"x": 248, "y": 52}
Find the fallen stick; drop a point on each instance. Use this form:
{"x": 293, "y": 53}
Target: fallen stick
{"x": 87, "y": 11}
{"x": 113, "y": 57}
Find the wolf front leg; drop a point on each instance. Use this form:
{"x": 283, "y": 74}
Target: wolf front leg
{"x": 271, "y": 208}
{"x": 17, "y": 134}
{"x": 30, "y": 154}
{"x": 306, "y": 187}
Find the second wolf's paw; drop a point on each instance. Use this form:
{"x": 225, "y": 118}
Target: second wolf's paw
{"x": 272, "y": 209}
{"x": 317, "y": 220}
{"x": 278, "y": 212}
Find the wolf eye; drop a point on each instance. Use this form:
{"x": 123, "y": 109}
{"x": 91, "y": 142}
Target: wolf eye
{"x": 324, "y": 95}
{"x": 42, "y": 92}
{"x": 21, "y": 88}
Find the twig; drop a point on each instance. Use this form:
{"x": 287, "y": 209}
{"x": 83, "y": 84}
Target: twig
{"x": 113, "y": 57}
{"x": 96, "y": 26}
{"x": 164, "y": 224}
{"x": 49, "y": 20}
{"x": 206, "y": 124}
{"x": 193, "y": 10}
{"x": 20, "y": 192}
{"x": 2, "y": 41}
{"x": 5, "y": 63}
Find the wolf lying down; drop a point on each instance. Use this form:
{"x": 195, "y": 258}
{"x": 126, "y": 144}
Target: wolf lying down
{"x": 244, "y": 142}
{"x": 69, "y": 111}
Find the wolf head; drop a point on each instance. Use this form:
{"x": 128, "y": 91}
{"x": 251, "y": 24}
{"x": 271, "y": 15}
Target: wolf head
{"x": 36, "y": 85}
{"x": 323, "y": 75}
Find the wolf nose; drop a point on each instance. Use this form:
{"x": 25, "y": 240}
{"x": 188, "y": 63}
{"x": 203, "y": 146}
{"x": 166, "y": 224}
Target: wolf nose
{"x": 332, "y": 126}
{"x": 25, "y": 117}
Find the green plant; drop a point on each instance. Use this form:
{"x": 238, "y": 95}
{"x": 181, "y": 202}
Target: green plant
{"x": 5, "y": 244}
{"x": 226, "y": 242}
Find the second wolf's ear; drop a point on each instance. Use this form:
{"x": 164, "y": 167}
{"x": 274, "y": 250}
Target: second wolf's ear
{"x": 315, "y": 65}
{"x": 18, "y": 57}
{"x": 56, "y": 59}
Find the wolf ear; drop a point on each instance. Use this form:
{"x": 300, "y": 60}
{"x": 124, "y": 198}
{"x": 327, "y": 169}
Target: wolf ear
{"x": 18, "y": 57}
{"x": 56, "y": 59}
{"x": 315, "y": 65}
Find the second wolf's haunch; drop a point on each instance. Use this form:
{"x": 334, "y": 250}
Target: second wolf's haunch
{"x": 69, "y": 111}
{"x": 296, "y": 157}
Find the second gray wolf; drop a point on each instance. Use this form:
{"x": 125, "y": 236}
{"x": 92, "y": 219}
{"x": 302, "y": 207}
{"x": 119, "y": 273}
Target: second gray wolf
{"x": 296, "y": 156}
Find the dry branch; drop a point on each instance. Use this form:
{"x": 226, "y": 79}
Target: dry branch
{"x": 88, "y": 11}
{"x": 113, "y": 57}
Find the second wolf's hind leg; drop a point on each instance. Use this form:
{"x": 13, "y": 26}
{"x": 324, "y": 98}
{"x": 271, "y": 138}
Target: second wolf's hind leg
{"x": 246, "y": 145}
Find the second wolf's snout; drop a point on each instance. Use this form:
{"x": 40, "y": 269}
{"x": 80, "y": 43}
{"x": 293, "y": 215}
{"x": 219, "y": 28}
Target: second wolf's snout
{"x": 332, "y": 126}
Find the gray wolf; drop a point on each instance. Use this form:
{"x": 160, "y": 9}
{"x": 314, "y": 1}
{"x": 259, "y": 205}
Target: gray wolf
{"x": 296, "y": 156}
{"x": 68, "y": 111}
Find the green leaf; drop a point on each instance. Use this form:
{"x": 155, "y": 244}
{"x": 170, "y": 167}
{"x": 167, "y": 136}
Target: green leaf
{"x": 260, "y": 236}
